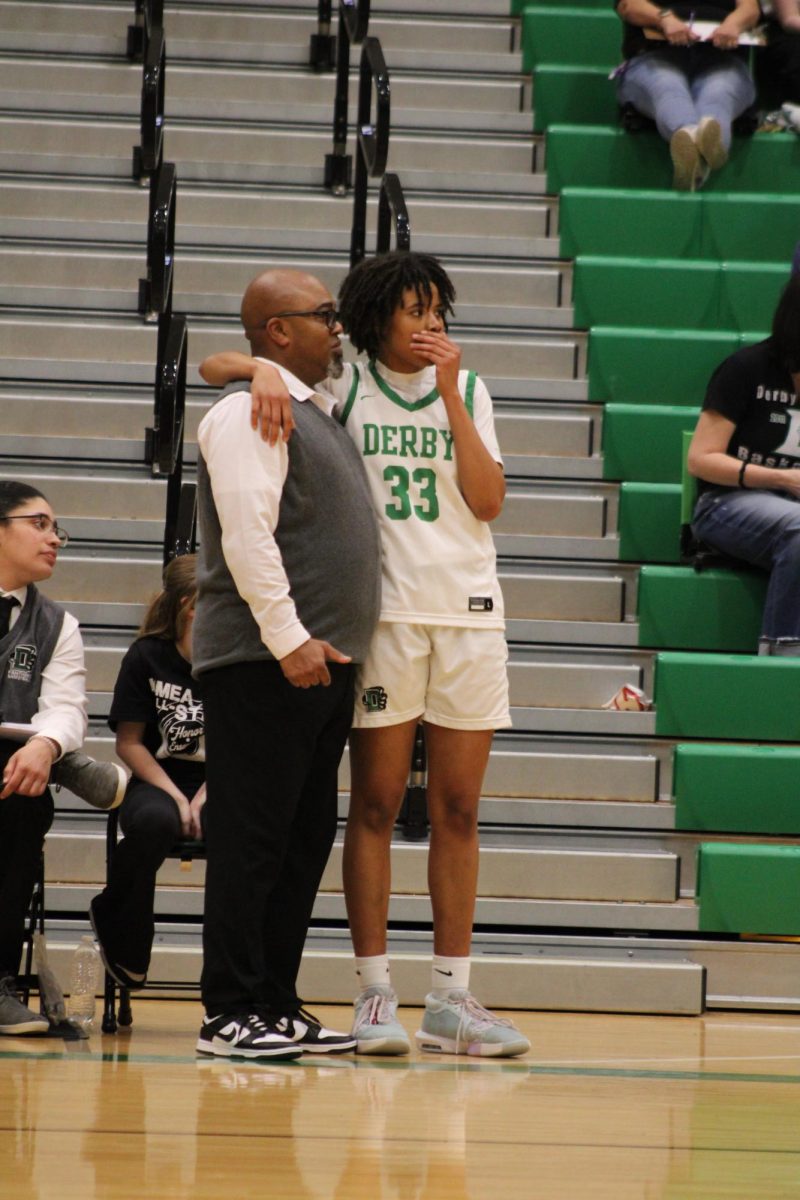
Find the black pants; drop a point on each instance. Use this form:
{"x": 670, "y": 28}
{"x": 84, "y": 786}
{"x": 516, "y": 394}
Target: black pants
{"x": 150, "y": 821}
{"x": 777, "y": 68}
{"x": 24, "y": 821}
{"x": 273, "y": 753}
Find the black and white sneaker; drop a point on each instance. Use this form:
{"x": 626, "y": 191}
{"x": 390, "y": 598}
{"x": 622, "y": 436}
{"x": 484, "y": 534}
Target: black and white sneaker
{"x": 244, "y": 1035}
{"x": 311, "y": 1036}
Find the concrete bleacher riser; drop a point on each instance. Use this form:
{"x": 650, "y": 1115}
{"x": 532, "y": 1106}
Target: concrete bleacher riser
{"x": 251, "y": 193}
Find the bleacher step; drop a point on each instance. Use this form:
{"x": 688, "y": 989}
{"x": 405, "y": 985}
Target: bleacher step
{"x": 100, "y": 88}
{"x": 210, "y": 286}
{"x": 507, "y": 971}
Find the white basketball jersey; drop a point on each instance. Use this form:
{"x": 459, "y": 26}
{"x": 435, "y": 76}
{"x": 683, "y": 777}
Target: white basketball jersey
{"x": 439, "y": 565}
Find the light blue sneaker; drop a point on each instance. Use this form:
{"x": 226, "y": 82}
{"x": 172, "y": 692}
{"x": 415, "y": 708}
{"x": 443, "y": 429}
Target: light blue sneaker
{"x": 375, "y": 1024}
{"x": 458, "y": 1024}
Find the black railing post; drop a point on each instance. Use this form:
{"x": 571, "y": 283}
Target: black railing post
{"x": 353, "y": 23}
{"x": 372, "y": 140}
{"x": 155, "y": 291}
{"x": 413, "y": 818}
{"x": 147, "y": 155}
{"x": 392, "y": 211}
{"x": 322, "y": 49}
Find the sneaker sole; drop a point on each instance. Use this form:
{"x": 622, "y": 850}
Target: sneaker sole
{"x": 25, "y": 1028}
{"x": 386, "y": 1045}
{"x": 441, "y": 1045}
{"x": 709, "y": 143}
{"x": 685, "y": 161}
{"x": 316, "y": 1048}
{"x": 223, "y": 1050}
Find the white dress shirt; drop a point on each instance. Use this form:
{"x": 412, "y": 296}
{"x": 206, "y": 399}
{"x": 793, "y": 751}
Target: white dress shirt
{"x": 247, "y": 477}
{"x": 62, "y": 698}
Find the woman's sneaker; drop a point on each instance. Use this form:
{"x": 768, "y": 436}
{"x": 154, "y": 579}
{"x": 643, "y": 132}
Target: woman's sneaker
{"x": 458, "y": 1024}
{"x": 375, "y": 1024}
{"x": 244, "y": 1035}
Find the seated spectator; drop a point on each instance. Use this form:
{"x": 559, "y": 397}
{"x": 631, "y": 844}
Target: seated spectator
{"x": 692, "y": 89}
{"x": 42, "y": 683}
{"x": 157, "y": 714}
{"x": 746, "y": 454}
{"x": 778, "y": 63}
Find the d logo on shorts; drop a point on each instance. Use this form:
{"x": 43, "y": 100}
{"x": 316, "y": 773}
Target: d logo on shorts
{"x": 374, "y": 699}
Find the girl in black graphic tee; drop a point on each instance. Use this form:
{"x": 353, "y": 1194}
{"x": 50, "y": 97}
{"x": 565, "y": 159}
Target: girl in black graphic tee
{"x": 157, "y": 714}
{"x": 746, "y": 454}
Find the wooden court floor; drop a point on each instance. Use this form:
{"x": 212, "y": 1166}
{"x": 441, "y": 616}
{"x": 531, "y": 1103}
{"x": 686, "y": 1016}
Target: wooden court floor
{"x": 624, "y": 1108}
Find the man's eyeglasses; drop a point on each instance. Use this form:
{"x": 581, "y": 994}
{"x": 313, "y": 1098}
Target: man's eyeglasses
{"x": 328, "y": 315}
{"x": 44, "y": 524}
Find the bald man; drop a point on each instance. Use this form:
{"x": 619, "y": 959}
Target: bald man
{"x": 289, "y": 583}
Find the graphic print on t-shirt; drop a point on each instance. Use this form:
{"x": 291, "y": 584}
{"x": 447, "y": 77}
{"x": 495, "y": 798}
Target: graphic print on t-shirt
{"x": 180, "y": 720}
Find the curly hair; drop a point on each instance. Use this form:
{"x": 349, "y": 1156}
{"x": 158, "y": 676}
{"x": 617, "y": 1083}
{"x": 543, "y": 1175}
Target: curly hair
{"x": 373, "y": 291}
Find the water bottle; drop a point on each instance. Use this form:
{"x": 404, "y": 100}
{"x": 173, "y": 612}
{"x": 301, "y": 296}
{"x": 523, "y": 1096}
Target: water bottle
{"x": 84, "y": 978}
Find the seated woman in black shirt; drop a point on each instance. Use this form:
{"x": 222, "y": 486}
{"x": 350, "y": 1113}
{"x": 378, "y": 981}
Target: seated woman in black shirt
{"x": 157, "y": 714}
{"x": 692, "y": 88}
{"x": 746, "y": 453}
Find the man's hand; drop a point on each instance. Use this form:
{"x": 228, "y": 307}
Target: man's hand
{"x": 270, "y": 405}
{"x": 305, "y": 666}
{"x": 28, "y": 771}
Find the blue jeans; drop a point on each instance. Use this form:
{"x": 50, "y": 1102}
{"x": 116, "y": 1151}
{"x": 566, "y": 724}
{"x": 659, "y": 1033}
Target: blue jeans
{"x": 678, "y": 89}
{"x": 763, "y": 529}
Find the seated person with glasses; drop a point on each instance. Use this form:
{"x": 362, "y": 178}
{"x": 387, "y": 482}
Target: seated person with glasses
{"x": 42, "y": 686}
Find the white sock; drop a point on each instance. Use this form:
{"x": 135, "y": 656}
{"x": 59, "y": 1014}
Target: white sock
{"x": 373, "y": 970}
{"x": 447, "y": 974}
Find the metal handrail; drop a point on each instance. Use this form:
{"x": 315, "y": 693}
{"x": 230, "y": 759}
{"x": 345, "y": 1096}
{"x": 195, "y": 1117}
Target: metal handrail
{"x": 322, "y": 46}
{"x": 164, "y": 439}
{"x": 148, "y": 154}
{"x": 148, "y": 14}
{"x": 392, "y": 211}
{"x": 155, "y": 292}
{"x": 372, "y": 140}
{"x": 353, "y": 24}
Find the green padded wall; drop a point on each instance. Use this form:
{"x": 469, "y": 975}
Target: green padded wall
{"x": 570, "y": 94}
{"x": 646, "y": 291}
{"x": 732, "y": 697}
{"x": 736, "y": 789}
{"x": 696, "y": 294}
{"x": 567, "y": 34}
{"x": 748, "y": 889}
{"x": 718, "y": 609}
{"x": 644, "y": 441}
{"x": 657, "y": 366}
{"x": 659, "y": 224}
{"x": 613, "y": 222}
{"x": 597, "y": 156}
{"x": 649, "y": 522}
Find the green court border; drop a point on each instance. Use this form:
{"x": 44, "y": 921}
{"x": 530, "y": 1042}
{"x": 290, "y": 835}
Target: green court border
{"x": 521, "y": 1068}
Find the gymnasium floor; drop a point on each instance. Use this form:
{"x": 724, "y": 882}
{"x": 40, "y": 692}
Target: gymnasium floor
{"x": 624, "y": 1108}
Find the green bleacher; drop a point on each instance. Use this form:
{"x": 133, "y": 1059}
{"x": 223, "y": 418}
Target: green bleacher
{"x": 668, "y": 284}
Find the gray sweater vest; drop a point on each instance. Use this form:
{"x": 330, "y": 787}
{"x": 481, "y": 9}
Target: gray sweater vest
{"x": 24, "y": 653}
{"x": 329, "y": 543}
